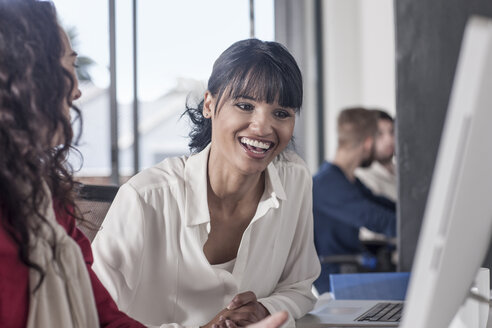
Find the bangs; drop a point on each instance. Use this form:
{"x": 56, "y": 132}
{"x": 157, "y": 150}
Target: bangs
{"x": 265, "y": 81}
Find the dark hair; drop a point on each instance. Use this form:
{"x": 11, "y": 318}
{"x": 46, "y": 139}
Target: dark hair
{"x": 34, "y": 90}
{"x": 382, "y": 115}
{"x": 356, "y": 124}
{"x": 262, "y": 70}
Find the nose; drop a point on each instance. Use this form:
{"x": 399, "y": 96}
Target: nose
{"x": 77, "y": 94}
{"x": 261, "y": 123}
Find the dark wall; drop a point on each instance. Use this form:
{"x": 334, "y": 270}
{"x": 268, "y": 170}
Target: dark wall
{"x": 428, "y": 39}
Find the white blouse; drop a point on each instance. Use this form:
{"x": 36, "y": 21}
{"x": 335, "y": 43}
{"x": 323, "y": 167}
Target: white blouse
{"x": 228, "y": 266}
{"x": 149, "y": 253}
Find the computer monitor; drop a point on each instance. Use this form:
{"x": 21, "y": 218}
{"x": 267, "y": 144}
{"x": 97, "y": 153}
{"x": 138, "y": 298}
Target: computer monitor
{"x": 457, "y": 225}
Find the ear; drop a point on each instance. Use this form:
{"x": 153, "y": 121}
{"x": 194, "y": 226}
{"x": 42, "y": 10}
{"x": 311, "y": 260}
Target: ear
{"x": 208, "y": 105}
{"x": 368, "y": 143}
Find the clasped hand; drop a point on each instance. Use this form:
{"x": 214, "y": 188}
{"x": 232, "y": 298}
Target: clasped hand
{"x": 243, "y": 310}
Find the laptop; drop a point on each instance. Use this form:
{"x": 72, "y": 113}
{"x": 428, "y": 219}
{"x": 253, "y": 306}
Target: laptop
{"x": 457, "y": 225}
{"x": 351, "y": 313}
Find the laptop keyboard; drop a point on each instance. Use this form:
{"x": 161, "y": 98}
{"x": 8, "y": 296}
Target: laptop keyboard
{"x": 388, "y": 312}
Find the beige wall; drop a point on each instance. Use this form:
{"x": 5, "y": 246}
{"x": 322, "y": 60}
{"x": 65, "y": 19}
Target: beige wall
{"x": 359, "y": 59}
{"x": 359, "y": 62}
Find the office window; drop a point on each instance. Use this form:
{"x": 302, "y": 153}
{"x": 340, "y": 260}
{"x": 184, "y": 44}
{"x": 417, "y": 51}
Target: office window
{"x": 87, "y": 25}
{"x": 177, "y": 43}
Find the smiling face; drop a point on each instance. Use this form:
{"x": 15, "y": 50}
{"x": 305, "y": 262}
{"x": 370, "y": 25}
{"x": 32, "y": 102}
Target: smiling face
{"x": 247, "y": 134}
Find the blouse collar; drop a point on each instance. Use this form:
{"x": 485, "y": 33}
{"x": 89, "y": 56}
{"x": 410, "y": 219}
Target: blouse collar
{"x": 196, "y": 205}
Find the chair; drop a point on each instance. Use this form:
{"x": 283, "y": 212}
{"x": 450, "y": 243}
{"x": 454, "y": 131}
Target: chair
{"x": 370, "y": 286}
{"x": 375, "y": 257}
{"x": 93, "y": 202}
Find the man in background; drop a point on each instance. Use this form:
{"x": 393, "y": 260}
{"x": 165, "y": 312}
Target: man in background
{"x": 341, "y": 203}
{"x": 380, "y": 177}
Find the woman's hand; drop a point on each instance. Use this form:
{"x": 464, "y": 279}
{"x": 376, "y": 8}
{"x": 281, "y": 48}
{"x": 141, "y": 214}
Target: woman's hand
{"x": 244, "y": 310}
{"x": 273, "y": 321}
{"x": 218, "y": 321}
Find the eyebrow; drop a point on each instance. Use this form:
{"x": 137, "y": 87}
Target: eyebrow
{"x": 245, "y": 97}
{"x": 254, "y": 99}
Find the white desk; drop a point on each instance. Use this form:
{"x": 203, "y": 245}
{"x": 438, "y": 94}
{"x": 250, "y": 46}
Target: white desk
{"x": 314, "y": 321}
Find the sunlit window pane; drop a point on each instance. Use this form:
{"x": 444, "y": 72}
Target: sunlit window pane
{"x": 178, "y": 41}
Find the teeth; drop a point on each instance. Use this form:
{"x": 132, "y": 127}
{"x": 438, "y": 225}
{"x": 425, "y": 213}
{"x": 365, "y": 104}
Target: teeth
{"x": 255, "y": 143}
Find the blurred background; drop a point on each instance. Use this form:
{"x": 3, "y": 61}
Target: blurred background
{"x": 141, "y": 60}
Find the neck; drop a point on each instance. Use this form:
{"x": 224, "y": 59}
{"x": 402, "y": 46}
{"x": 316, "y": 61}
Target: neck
{"x": 347, "y": 160}
{"x": 229, "y": 189}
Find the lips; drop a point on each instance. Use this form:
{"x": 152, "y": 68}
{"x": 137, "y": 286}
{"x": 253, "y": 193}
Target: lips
{"x": 256, "y": 148}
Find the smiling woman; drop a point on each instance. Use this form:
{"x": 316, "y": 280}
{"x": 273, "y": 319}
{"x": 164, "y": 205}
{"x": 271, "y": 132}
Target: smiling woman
{"x": 223, "y": 237}
{"x": 247, "y": 134}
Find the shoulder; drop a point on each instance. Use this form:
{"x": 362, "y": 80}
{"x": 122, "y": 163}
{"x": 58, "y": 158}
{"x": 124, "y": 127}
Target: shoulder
{"x": 292, "y": 172}
{"x": 63, "y": 216}
{"x": 327, "y": 169}
{"x": 167, "y": 174}
{"x": 331, "y": 177}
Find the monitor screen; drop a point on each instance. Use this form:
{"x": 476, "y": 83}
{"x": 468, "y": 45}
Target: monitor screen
{"x": 457, "y": 225}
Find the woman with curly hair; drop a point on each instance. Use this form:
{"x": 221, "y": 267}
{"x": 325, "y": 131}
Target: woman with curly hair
{"x": 46, "y": 278}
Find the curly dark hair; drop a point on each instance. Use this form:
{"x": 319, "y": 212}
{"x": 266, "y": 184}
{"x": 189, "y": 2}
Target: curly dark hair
{"x": 263, "y": 70}
{"x": 34, "y": 90}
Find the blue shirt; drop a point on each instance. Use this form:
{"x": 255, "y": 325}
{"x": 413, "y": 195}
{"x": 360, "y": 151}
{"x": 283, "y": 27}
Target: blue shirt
{"x": 340, "y": 208}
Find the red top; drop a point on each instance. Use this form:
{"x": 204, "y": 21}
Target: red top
{"x": 14, "y": 282}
